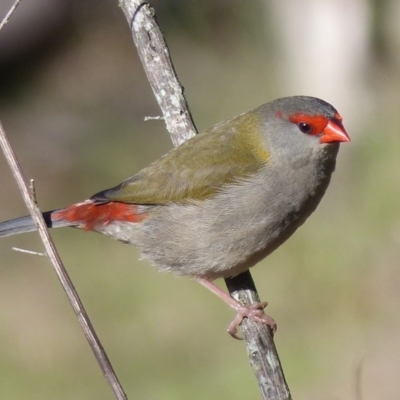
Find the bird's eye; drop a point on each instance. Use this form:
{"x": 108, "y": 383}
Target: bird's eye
{"x": 304, "y": 127}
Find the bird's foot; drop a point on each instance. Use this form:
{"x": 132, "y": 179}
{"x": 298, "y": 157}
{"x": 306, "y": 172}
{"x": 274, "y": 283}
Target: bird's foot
{"x": 255, "y": 313}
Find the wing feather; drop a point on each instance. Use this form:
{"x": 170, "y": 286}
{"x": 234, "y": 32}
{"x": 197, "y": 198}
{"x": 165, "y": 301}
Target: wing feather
{"x": 197, "y": 169}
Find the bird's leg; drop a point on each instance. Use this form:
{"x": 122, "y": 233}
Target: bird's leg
{"x": 254, "y": 312}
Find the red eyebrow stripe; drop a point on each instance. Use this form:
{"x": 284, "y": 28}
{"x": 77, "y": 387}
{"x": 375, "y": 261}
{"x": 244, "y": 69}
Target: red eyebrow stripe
{"x": 317, "y": 122}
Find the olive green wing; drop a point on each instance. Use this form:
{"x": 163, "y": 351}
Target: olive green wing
{"x": 197, "y": 169}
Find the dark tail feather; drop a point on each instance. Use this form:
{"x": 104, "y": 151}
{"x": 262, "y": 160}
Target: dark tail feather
{"x": 26, "y": 224}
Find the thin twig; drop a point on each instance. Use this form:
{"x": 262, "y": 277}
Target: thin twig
{"x": 10, "y": 12}
{"x": 157, "y": 118}
{"x": 358, "y": 380}
{"x": 33, "y": 253}
{"x": 154, "y": 54}
{"x": 59, "y": 268}
{"x": 28, "y": 194}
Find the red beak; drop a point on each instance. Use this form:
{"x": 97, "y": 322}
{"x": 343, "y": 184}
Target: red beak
{"x": 334, "y": 132}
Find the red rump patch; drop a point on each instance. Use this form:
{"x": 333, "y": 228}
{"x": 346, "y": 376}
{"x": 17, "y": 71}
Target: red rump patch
{"x": 317, "y": 122}
{"x": 88, "y": 214}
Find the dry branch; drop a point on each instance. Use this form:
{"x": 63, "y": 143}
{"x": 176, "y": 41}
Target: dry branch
{"x": 154, "y": 54}
{"x": 10, "y": 12}
{"x": 169, "y": 93}
{"x": 28, "y": 195}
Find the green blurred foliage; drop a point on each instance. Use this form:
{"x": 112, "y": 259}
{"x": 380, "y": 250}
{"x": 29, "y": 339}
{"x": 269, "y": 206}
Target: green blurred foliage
{"x": 74, "y": 113}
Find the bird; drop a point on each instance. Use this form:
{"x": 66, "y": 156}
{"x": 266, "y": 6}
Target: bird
{"x": 222, "y": 201}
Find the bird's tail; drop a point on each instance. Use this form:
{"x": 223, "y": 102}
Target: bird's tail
{"x": 89, "y": 215}
{"x": 26, "y": 224}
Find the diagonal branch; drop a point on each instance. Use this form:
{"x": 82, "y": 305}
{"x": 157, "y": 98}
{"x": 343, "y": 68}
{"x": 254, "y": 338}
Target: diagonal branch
{"x": 154, "y": 54}
{"x": 59, "y": 268}
{"x": 28, "y": 195}
{"x": 10, "y": 12}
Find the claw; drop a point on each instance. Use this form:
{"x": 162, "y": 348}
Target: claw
{"x": 254, "y": 313}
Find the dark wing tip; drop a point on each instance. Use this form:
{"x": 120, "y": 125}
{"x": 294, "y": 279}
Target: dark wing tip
{"x": 101, "y": 197}
{"x": 114, "y": 193}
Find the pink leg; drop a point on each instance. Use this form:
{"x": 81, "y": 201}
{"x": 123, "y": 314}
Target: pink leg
{"x": 254, "y": 312}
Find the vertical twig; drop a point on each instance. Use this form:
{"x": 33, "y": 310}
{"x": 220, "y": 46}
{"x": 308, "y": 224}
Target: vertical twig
{"x": 154, "y": 54}
{"x": 358, "y": 380}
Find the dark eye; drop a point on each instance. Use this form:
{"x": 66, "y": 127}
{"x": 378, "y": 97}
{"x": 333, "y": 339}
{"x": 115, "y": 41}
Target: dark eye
{"x": 304, "y": 127}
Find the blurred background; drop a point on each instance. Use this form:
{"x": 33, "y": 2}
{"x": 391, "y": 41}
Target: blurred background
{"x": 73, "y": 98}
